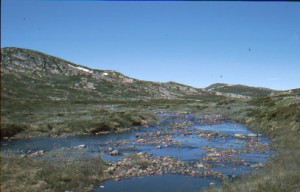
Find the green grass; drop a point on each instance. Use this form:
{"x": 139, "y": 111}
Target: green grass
{"x": 61, "y": 173}
{"x": 242, "y": 90}
{"x": 282, "y": 124}
{"x": 276, "y": 117}
{"x": 73, "y": 120}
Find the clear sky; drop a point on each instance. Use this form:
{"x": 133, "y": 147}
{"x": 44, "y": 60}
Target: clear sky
{"x": 195, "y": 43}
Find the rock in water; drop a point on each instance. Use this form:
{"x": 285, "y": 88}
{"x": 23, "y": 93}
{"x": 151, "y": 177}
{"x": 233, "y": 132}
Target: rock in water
{"x": 80, "y": 147}
{"x": 110, "y": 149}
{"x": 239, "y": 136}
{"x": 114, "y": 153}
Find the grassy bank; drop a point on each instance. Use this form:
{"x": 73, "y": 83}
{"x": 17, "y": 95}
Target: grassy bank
{"x": 75, "y": 120}
{"x": 280, "y": 120}
{"x": 61, "y": 173}
{"x": 55, "y": 118}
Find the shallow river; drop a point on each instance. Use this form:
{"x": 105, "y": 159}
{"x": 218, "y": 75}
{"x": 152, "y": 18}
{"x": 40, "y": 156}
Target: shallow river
{"x": 205, "y": 143}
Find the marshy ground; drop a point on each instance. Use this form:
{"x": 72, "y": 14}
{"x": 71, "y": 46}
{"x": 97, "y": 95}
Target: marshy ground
{"x": 193, "y": 139}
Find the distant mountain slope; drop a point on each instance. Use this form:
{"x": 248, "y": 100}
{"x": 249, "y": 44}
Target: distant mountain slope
{"x": 239, "y": 90}
{"x": 32, "y": 75}
{"x": 215, "y": 85}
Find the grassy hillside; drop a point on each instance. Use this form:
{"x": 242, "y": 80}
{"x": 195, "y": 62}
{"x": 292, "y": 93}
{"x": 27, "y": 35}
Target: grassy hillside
{"x": 41, "y": 95}
{"x": 63, "y": 79}
{"x": 240, "y": 90}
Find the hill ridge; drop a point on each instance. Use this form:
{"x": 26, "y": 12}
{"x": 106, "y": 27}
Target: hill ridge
{"x": 28, "y": 68}
{"x": 41, "y": 66}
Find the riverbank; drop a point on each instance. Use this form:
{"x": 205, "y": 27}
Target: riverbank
{"x": 281, "y": 122}
{"x": 273, "y": 117}
{"x": 80, "y": 122}
{"x": 199, "y": 145}
{"x": 19, "y": 174}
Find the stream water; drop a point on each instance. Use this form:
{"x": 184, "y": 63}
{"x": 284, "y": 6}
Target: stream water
{"x": 204, "y": 143}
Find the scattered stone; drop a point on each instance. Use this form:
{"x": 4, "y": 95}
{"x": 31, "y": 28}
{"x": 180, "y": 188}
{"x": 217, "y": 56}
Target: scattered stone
{"x": 140, "y": 141}
{"x": 142, "y": 163}
{"x": 37, "y": 153}
{"x": 239, "y": 136}
{"x": 23, "y": 155}
{"x": 200, "y": 165}
{"x": 110, "y": 149}
{"x": 258, "y": 165}
{"x": 110, "y": 169}
{"x": 80, "y": 147}
{"x": 103, "y": 132}
{"x": 114, "y": 153}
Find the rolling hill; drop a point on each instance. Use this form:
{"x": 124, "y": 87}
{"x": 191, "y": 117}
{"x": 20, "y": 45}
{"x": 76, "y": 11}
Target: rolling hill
{"x": 243, "y": 90}
{"x": 35, "y": 75}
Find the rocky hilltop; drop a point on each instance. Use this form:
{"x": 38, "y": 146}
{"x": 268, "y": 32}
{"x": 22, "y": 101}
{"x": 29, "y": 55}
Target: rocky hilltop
{"x": 31, "y": 74}
{"x": 51, "y": 77}
{"x": 237, "y": 90}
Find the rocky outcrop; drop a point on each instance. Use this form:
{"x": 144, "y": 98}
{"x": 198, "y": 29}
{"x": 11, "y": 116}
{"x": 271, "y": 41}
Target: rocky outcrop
{"x": 33, "y": 62}
{"x": 46, "y": 71}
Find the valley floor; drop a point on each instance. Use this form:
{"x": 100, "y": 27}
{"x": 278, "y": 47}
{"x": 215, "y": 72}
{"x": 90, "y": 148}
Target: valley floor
{"x": 273, "y": 116}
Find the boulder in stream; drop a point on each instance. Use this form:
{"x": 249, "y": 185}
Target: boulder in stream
{"x": 114, "y": 153}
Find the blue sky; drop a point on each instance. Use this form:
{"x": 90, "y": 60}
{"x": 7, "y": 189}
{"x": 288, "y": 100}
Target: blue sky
{"x": 195, "y": 43}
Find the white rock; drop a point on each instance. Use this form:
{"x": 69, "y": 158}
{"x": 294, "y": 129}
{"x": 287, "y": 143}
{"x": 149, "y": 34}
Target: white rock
{"x": 110, "y": 149}
{"x": 37, "y": 153}
{"x": 239, "y": 136}
{"x": 114, "y": 152}
{"x": 80, "y": 147}
{"x": 110, "y": 169}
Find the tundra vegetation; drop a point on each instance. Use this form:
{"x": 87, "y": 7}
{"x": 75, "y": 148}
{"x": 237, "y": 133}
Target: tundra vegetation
{"x": 279, "y": 118}
{"x": 42, "y": 95}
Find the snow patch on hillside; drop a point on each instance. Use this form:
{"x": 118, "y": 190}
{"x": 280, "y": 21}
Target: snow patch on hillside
{"x": 82, "y": 69}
